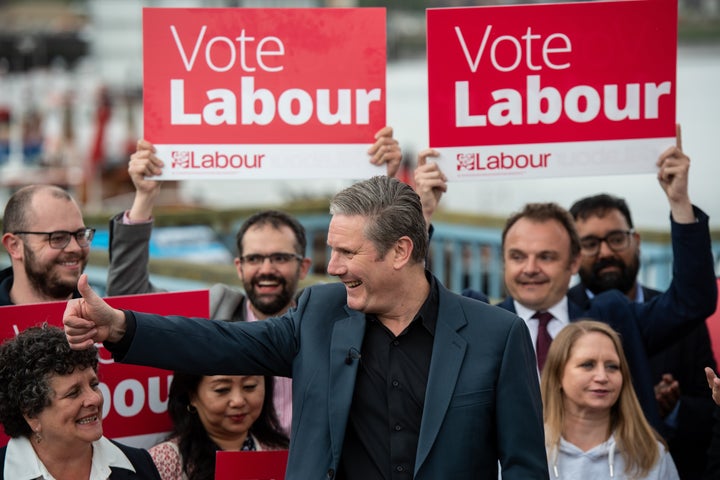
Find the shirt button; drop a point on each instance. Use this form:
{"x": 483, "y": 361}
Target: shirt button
{"x": 398, "y": 428}
{"x": 399, "y": 468}
{"x": 395, "y": 383}
{"x": 396, "y": 342}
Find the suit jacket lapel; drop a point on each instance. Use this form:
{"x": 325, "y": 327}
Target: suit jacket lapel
{"x": 447, "y": 358}
{"x": 575, "y": 311}
{"x": 347, "y": 334}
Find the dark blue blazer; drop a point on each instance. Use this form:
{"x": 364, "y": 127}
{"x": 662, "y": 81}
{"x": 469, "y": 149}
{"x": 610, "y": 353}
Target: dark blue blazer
{"x": 650, "y": 327}
{"x": 482, "y": 403}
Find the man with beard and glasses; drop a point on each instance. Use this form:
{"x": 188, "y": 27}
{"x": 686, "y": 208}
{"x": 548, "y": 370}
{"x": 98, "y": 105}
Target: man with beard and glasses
{"x": 271, "y": 253}
{"x": 542, "y": 251}
{"x": 610, "y": 259}
{"x": 48, "y": 243}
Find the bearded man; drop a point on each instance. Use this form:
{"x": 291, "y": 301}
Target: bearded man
{"x": 48, "y": 244}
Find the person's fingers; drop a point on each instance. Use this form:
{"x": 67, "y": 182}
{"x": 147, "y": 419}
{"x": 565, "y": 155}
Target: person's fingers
{"x": 678, "y": 136}
{"x": 710, "y": 375}
{"x": 143, "y": 144}
{"x": 86, "y": 290}
{"x": 145, "y": 165}
{"x": 386, "y": 131}
{"x": 424, "y": 154}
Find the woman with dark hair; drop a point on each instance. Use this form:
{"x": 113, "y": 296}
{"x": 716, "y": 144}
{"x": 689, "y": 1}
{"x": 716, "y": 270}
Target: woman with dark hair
{"x": 594, "y": 426}
{"x": 51, "y": 407}
{"x": 211, "y": 413}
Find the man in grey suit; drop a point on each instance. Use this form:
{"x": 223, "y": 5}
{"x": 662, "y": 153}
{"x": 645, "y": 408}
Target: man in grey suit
{"x": 394, "y": 376}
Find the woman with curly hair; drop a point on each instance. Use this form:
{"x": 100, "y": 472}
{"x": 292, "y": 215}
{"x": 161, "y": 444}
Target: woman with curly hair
{"x": 594, "y": 426}
{"x": 212, "y": 413}
{"x": 51, "y": 407}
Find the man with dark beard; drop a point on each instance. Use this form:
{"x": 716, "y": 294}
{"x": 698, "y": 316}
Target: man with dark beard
{"x": 48, "y": 244}
{"x": 610, "y": 259}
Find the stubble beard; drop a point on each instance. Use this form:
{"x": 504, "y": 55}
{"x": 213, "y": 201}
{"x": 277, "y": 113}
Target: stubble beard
{"x": 46, "y": 281}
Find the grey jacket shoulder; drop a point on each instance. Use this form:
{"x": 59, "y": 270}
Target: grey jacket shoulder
{"x": 227, "y": 303}
{"x": 129, "y": 254}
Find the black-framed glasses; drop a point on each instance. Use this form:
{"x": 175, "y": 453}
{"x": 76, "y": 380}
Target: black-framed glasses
{"x": 276, "y": 258}
{"x": 61, "y": 238}
{"x": 617, "y": 241}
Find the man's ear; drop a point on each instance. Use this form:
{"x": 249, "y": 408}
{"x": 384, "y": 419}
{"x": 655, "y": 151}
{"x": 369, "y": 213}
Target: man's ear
{"x": 14, "y": 245}
{"x": 305, "y": 265}
{"x": 238, "y": 267}
{"x": 402, "y": 251}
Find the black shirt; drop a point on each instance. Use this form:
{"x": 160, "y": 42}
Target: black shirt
{"x": 384, "y": 424}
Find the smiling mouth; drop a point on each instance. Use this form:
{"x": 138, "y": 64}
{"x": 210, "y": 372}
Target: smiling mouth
{"x": 354, "y": 284}
{"x": 87, "y": 420}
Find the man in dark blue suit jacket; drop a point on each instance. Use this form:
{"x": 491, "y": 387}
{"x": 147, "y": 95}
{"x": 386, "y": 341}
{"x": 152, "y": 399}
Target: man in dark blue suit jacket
{"x": 611, "y": 260}
{"x": 393, "y": 375}
{"x": 541, "y": 252}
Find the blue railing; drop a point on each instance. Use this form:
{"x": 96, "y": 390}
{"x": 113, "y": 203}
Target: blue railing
{"x": 463, "y": 256}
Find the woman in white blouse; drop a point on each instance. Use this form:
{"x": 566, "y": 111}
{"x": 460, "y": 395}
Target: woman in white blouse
{"x": 51, "y": 407}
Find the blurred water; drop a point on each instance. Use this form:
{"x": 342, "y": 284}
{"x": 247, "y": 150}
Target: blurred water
{"x": 698, "y": 112}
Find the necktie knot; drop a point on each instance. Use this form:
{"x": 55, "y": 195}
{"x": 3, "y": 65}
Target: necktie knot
{"x": 544, "y": 339}
{"x": 544, "y": 318}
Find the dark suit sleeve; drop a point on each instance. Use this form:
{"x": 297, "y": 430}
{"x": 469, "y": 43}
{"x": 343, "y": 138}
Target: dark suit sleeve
{"x": 212, "y": 347}
{"x": 686, "y": 361}
{"x": 712, "y": 471}
{"x": 520, "y": 434}
{"x": 692, "y": 295}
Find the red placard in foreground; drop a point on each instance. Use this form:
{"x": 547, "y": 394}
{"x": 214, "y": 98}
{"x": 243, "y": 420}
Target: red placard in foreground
{"x": 264, "y": 92}
{"x": 135, "y": 397}
{"x": 265, "y": 465}
{"x": 549, "y": 90}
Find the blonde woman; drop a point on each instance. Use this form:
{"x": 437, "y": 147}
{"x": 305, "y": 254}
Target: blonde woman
{"x": 594, "y": 426}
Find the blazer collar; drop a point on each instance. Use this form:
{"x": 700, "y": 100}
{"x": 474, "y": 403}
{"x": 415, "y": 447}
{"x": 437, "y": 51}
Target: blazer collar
{"x": 447, "y": 358}
{"x": 345, "y": 343}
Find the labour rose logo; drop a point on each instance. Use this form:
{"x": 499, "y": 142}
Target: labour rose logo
{"x": 466, "y": 161}
{"x": 181, "y": 159}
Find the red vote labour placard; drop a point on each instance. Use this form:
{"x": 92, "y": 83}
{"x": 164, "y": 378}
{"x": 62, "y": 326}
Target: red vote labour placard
{"x": 259, "y": 465}
{"x": 264, "y": 93}
{"x": 135, "y": 397}
{"x": 552, "y": 90}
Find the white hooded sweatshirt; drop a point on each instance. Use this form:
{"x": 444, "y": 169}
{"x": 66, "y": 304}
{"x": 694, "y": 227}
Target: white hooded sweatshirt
{"x": 603, "y": 461}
